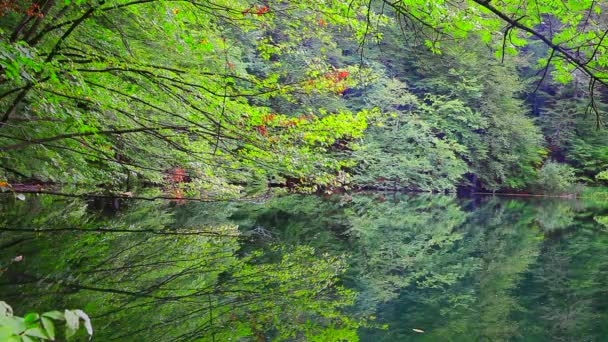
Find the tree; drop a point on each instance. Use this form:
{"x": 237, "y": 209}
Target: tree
{"x": 106, "y": 91}
{"x": 571, "y": 30}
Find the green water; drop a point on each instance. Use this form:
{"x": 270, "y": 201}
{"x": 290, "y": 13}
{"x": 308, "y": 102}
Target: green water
{"x": 369, "y": 267}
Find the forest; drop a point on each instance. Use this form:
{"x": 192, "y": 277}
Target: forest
{"x": 223, "y": 99}
{"x": 211, "y": 107}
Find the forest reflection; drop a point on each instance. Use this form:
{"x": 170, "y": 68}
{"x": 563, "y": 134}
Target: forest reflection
{"x": 302, "y": 268}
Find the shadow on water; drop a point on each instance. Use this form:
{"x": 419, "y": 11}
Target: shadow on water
{"x": 368, "y": 267}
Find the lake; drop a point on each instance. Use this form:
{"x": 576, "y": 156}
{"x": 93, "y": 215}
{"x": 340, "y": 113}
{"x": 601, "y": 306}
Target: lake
{"x": 368, "y": 266}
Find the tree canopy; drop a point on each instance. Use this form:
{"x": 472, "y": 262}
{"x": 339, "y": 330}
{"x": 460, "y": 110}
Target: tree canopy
{"x": 227, "y": 95}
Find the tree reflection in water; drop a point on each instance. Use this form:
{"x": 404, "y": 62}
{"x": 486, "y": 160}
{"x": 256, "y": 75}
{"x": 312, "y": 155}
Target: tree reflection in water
{"x": 369, "y": 267}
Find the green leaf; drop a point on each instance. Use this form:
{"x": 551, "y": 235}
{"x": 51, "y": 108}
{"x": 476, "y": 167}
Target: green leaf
{"x": 57, "y": 315}
{"x": 5, "y": 333}
{"x": 31, "y": 319}
{"x": 16, "y": 323}
{"x": 25, "y": 338}
{"x": 49, "y": 326}
{"x": 37, "y": 332}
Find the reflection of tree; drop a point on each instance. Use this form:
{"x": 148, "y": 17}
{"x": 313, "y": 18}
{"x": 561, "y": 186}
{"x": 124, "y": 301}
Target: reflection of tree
{"x": 404, "y": 242}
{"x": 510, "y": 243}
{"x": 565, "y": 291}
{"x": 142, "y": 286}
{"x": 296, "y": 220}
{"x": 504, "y": 270}
{"x": 562, "y": 307}
{"x": 553, "y": 215}
{"x": 461, "y": 290}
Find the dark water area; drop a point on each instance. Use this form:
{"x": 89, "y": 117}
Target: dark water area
{"x": 366, "y": 267}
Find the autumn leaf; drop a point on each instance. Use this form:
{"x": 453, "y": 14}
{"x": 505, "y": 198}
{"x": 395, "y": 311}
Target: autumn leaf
{"x": 4, "y": 186}
{"x": 261, "y": 129}
{"x": 262, "y": 10}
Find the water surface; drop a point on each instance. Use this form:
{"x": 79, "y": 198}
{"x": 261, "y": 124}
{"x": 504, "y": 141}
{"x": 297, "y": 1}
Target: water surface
{"x": 369, "y": 267}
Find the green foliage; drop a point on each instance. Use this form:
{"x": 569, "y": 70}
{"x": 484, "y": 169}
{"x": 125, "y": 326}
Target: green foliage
{"x": 366, "y": 266}
{"x": 452, "y": 117}
{"x": 588, "y": 153}
{"x": 405, "y": 154}
{"x": 119, "y": 91}
{"x": 572, "y": 132}
{"x": 554, "y": 178}
{"x": 602, "y": 176}
{"x": 398, "y": 245}
{"x": 40, "y": 327}
{"x": 193, "y": 280}
{"x": 508, "y": 26}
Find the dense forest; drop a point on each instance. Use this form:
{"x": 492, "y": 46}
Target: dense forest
{"x": 234, "y": 114}
{"x": 223, "y": 99}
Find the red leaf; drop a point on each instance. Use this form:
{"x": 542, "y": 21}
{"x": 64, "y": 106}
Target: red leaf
{"x": 261, "y": 10}
{"x": 261, "y": 129}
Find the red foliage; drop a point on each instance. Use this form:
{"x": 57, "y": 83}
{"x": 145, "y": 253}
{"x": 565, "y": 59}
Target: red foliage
{"x": 322, "y": 23}
{"x": 342, "y": 74}
{"x": 179, "y": 175}
{"x": 337, "y": 76}
{"x": 261, "y": 129}
{"x": 8, "y": 6}
{"x": 262, "y": 10}
{"x": 34, "y": 11}
{"x": 268, "y": 118}
{"x": 256, "y": 9}
{"x": 174, "y": 177}
{"x": 290, "y": 122}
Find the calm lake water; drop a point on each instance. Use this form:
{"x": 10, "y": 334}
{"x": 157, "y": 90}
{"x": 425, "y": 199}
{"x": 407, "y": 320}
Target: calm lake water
{"x": 368, "y": 267}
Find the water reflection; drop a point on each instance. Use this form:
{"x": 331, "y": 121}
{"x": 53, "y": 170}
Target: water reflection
{"x": 368, "y": 267}
{"x": 140, "y": 278}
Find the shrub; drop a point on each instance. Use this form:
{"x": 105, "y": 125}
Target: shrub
{"x": 602, "y": 176}
{"x": 555, "y": 177}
